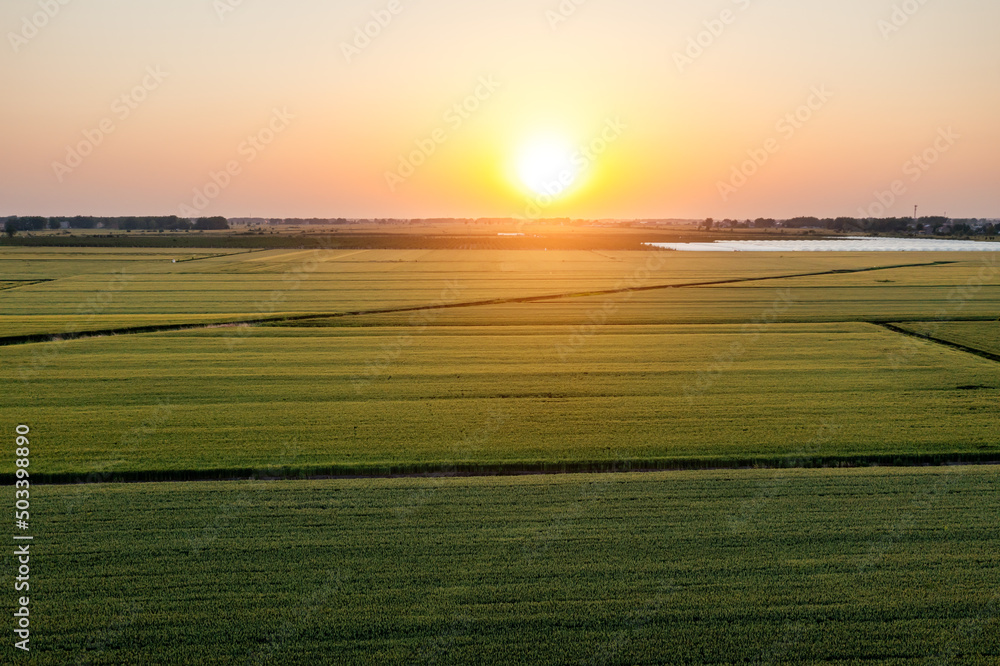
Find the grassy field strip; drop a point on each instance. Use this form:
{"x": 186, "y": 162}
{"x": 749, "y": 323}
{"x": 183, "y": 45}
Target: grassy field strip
{"x": 735, "y": 304}
{"x": 296, "y": 256}
{"x": 341, "y": 257}
{"x": 948, "y": 270}
{"x": 875, "y": 566}
{"x": 20, "y": 263}
{"x": 373, "y": 279}
{"x": 606, "y": 293}
{"x": 374, "y": 400}
{"x": 211, "y": 256}
{"x": 982, "y": 334}
{"x": 98, "y": 253}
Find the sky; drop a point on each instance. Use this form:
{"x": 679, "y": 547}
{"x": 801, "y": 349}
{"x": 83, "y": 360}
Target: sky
{"x": 500, "y": 108}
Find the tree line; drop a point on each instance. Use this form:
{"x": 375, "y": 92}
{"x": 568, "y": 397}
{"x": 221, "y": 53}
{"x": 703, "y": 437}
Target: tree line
{"x": 932, "y": 224}
{"x": 14, "y": 224}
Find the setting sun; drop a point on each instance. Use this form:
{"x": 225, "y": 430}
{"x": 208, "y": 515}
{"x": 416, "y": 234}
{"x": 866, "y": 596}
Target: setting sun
{"x": 547, "y": 166}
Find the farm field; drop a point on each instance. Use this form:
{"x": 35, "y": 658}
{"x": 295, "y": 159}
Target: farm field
{"x": 770, "y": 302}
{"x": 869, "y": 566}
{"x": 350, "y": 400}
{"x": 275, "y": 282}
{"x": 80, "y": 290}
{"x": 981, "y": 335}
{"x": 677, "y": 377}
{"x": 235, "y": 546}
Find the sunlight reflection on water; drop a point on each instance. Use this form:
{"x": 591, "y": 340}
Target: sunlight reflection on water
{"x": 849, "y": 244}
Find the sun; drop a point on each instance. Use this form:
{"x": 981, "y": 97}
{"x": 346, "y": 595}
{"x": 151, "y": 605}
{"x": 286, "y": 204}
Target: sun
{"x": 547, "y": 166}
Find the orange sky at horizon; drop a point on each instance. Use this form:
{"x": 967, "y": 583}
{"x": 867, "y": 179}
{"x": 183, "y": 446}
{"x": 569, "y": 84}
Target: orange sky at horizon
{"x": 522, "y": 108}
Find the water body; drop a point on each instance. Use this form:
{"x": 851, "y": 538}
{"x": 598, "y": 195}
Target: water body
{"x": 848, "y": 244}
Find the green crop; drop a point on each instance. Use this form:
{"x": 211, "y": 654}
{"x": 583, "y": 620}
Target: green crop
{"x": 793, "y": 566}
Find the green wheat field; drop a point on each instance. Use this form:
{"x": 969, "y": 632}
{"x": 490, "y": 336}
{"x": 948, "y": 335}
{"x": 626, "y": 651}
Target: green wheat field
{"x": 499, "y": 456}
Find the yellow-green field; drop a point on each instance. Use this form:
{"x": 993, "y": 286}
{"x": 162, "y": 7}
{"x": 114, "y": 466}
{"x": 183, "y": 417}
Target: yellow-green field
{"x": 360, "y": 363}
{"x": 353, "y": 400}
{"x": 982, "y": 335}
{"x": 317, "y": 281}
{"x": 378, "y": 361}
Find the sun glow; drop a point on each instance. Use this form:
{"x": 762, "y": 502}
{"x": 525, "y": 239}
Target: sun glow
{"x": 547, "y": 166}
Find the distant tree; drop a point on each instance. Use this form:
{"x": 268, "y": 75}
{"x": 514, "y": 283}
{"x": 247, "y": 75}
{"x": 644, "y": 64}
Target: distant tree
{"x": 207, "y": 223}
{"x": 802, "y": 222}
{"x": 10, "y": 228}
{"x": 845, "y": 224}
{"x": 708, "y": 224}
{"x": 79, "y": 222}
{"x": 33, "y": 223}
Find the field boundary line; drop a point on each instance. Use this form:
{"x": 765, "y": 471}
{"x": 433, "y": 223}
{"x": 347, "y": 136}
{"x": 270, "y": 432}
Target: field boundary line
{"x": 947, "y": 343}
{"x": 216, "y": 256}
{"x": 45, "y": 337}
{"x": 26, "y": 283}
{"x": 521, "y": 468}
{"x": 33, "y": 338}
{"x": 589, "y": 294}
